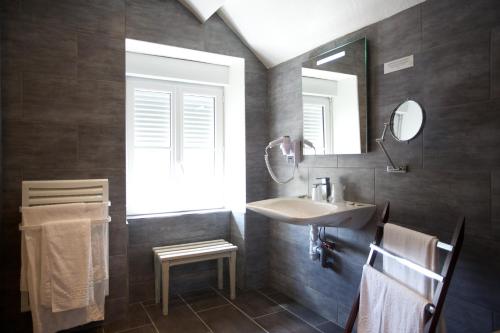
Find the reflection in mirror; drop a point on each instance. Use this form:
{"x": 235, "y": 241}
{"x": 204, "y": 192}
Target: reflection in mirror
{"x": 407, "y": 120}
{"x": 334, "y": 101}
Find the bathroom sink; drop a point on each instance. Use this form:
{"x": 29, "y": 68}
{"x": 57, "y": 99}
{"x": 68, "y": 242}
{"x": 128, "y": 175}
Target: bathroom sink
{"x": 305, "y": 212}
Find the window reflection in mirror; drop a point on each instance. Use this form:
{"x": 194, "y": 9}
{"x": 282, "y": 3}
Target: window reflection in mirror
{"x": 406, "y": 120}
{"x": 334, "y": 101}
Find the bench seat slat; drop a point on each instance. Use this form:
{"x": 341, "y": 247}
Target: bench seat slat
{"x": 180, "y": 248}
{"x": 164, "y": 253}
{"x": 196, "y": 252}
{"x": 196, "y": 244}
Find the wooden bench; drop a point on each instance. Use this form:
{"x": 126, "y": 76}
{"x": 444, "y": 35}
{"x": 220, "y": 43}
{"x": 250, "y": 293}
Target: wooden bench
{"x": 173, "y": 255}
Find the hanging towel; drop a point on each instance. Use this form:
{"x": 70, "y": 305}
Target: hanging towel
{"x": 415, "y": 246}
{"x": 68, "y": 258}
{"x": 419, "y": 248}
{"x": 36, "y": 216}
{"x": 387, "y": 306}
{"x": 100, "y": 241}
{"x": 44, "y": 319}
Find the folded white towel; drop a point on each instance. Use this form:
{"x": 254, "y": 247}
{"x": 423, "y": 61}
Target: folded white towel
{"x": 36, "y": 216}
{"x": 68, "y": 258}
{"x": 387, "y": 306}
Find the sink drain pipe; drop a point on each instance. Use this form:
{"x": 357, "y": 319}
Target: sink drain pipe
{"x": 320, "y": 249}
{"x": 314, "y": 242}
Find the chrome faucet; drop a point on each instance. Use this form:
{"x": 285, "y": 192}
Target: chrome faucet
{"x": 326, "y": 187}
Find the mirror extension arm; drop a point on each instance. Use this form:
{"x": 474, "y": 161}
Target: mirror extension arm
{"x": 392, "y": 167}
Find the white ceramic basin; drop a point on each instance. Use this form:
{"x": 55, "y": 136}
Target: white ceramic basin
{"x": 305, "y": 212}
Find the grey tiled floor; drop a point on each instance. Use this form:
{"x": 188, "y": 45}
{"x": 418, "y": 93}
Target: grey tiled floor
{"x": 211, "y": 311}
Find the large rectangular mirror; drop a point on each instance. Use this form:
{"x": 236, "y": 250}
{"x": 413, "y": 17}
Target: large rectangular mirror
{"x": 334, "y": 99}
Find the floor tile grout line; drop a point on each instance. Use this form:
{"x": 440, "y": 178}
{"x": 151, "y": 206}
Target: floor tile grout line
{"x": 150, "y": 319}
{"x": 132, "y": 328}
{"x": 268, "y": 314}
{"x": 293, "y": 314}
{"x": 212, "y": 308}
{"x": 195, "y": 313}
{"x": 324, "y": 322}
{"x": 240, "y": 310}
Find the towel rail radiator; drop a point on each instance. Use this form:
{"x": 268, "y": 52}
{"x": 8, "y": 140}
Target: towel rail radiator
{"x": 51, "y": 192}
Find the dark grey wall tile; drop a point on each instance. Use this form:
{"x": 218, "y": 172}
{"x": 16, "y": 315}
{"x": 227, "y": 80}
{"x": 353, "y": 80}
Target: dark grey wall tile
{"x": 11, "y": 94}
{"x": 118, "y": 243}
{"x": 495, "y": 63}
{"x": 49, "y": 98}
{"x": 433, "y": 200}
{"x": 450, "y": 19}
{"x": 47, "y": 49}
{"x": 457, "y": 72}
{"x": 95, "y": 16}
{"x": 403, "y": 30}
{"x": 145, "y": 20}
{"x": 495, "y": 200}
{"x": 465, "y": 317}
{"x": 496, "y": 321}
{"x": 462, "y": 137}
{"x": 101, "y": 146}
{"x": 322, "y": 304}
{"x": 39, "y": 145}
{"x": 101, "y": 57}
{"x": 476, "y": 276}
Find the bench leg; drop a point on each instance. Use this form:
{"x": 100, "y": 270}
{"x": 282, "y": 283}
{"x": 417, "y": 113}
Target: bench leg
{"x": 164, "y": 285}
{"x": 232, "y": 275}
{"x": 157, "y": 279}
{"x": 220, "y": 273}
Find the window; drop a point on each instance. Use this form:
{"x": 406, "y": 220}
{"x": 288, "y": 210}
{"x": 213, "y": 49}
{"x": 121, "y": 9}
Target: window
{"x": 175, "y": 146}
{"x": 317, "y": 122}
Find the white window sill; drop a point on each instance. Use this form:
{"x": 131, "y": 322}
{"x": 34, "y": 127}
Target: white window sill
{"x": 131, "y": 218}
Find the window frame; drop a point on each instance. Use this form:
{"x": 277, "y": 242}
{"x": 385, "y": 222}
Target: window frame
{"x": 327, "y": 104}
{"x": 177, "y": 89}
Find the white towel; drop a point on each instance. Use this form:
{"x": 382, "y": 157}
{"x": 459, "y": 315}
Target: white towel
{"x": 415, "y": 246}
{"x": 67, "y": 260}
{"x": 36, "y": 216}
{"x": 419, "y": 248}
{"x": 44, "y": 320}
{"x": 387, "y": 306}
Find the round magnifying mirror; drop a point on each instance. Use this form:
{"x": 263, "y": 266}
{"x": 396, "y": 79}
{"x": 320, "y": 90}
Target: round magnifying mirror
{"x": 407, "y": 120}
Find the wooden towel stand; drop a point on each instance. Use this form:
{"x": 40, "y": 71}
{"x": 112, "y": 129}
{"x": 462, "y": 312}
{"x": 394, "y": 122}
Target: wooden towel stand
{"x": 433, "y": 311}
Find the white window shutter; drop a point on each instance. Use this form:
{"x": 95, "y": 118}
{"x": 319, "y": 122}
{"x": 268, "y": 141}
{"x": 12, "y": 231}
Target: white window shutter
{"x": 152, "y": 119}
{"x": 199, "y": 122}
{"x": 314, "y": 116}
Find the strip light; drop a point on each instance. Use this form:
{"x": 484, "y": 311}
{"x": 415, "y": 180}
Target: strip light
{"x": 330, "y": 58}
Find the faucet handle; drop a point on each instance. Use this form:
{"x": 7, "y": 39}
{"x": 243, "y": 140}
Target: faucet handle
{"x": 324, "y": 180}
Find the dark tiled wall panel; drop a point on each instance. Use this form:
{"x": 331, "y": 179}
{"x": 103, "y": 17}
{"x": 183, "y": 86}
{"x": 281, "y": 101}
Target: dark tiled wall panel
{"x": 454, "y": 165}
{"x": 63, "y": 112}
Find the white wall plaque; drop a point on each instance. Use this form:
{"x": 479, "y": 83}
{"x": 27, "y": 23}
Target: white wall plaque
{"x": 398, "y": 64}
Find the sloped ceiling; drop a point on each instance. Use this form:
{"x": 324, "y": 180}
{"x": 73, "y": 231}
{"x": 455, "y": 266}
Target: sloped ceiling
{"x": 279, "y": 30}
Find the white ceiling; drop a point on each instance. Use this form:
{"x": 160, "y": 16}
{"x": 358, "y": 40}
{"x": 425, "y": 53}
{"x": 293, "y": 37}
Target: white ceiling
{"x": 279, "y": 30}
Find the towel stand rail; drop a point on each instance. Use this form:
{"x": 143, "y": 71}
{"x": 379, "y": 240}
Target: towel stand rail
{"x": 432, "y": 310}
{"x": 407, "y": 263}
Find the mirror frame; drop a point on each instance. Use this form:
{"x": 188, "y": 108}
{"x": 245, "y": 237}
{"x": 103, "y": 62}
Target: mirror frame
{"x": 391, "y": 121}
{"x": 364, "y": 105}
